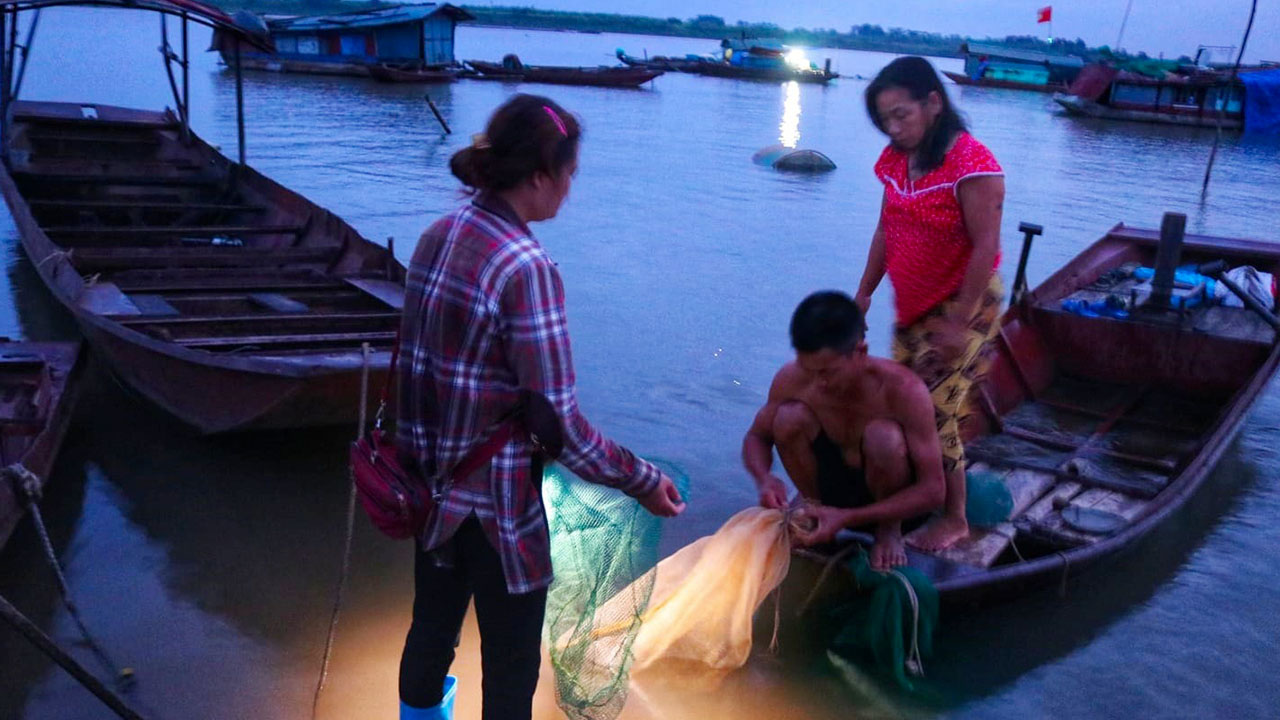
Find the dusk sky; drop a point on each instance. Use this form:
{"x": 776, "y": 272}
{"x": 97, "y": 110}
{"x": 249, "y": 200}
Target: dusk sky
{"x": 1174, "y": 27}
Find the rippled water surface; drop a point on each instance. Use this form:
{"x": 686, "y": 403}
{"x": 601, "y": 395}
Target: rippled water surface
{"x": 208, "y": 564}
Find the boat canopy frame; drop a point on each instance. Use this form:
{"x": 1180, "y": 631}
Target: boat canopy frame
{"x": 14, "y": 55}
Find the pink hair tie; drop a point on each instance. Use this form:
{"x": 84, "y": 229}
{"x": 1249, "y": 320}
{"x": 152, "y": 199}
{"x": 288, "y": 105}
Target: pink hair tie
{"x": 556, "y": 119}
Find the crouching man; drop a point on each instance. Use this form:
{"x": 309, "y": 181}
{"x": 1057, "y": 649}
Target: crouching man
{"x": 856, "y": 434}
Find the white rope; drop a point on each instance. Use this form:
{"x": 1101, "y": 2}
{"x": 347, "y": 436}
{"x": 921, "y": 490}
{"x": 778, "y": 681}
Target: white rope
{"x": 914, "y": 664}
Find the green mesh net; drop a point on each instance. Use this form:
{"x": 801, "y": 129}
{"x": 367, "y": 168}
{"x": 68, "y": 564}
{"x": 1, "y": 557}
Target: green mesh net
{"x": 602, "y": 542}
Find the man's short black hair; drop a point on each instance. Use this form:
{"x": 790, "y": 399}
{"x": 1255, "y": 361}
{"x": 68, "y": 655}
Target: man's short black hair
{"x": 827, "y": 319}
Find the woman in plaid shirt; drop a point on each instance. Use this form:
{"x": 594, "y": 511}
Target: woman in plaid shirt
{"x": 483, "y": 318}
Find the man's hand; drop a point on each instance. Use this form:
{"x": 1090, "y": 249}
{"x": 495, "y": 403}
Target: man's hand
{"x": 664, "y": 500}
{"x": 773, "y": 493}
{"x": 949, "y": 337}
{"x": 818, "y": 524}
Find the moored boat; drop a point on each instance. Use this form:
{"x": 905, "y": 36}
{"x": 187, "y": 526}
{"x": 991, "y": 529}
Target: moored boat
{"x": 1102, "y": 414}
{"x": 1188, "y": 95}
{"x": 386, "y": 72}
{"x": 37, "y": 394}
{"x": 1012, "y": 69}
{"x": 219, "y": 295}
{"x": 747, "y": 59}
{"x": 512, "y": 70}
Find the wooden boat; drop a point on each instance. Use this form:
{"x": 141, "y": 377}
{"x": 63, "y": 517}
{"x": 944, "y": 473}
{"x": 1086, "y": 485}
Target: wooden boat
{"x": 1192, "y": 97}
{"x": 662, "y": 62}
{"x": 962, "y": 79}
{"x": 224, "y": 298}
{"x": 37, "y": 393}
{"x": 756, "y": 59}
{"x": 603, "y": 76}
{"x": 1101, "y": 427}
{"x": 1012, "y": 69}
{"x": 386, "y": 72}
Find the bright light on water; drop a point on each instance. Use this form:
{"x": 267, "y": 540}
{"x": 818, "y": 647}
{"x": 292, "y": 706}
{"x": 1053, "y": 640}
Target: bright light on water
{"x": 797, "y": 59}
{"x": 790, "y": 126}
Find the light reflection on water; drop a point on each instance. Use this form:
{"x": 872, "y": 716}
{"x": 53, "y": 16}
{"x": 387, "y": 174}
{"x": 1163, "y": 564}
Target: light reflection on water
{"x": 208, "y": 564}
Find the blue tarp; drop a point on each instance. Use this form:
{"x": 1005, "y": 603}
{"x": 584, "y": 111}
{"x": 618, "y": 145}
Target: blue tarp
{"x": 1262, "y": 102}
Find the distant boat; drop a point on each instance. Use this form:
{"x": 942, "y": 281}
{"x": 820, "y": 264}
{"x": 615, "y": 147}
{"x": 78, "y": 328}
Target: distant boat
{"x": 386, "y": 72}
{"x": 511, "y": 69}
{"x": 1012, "y": 69}
{"x": 37, "y": 392}
{"x": 1182, "y": 95}
{"x": 350, "y": 43}
{"x": 686, "y": 64}
{"x": 751, "y": 59}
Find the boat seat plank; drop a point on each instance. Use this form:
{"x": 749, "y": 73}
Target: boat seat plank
{"x": 278, "y": 303}
{"x": 175, "y": 230}
{"x": 45, "y": 135}
{"x": 1055, "y": 531}
{"x": 350, "y": 340}
{"x": 273, "y": 319}
{"x": 125, "y": 204}
{"x": 117, "y": 179}
{"x": 983, "y": 547}
{"x": 121, "y": 258}
{"x": 150, "y": 304}
{"x": 106, "y": 298}
{"x": 391, "y": 293}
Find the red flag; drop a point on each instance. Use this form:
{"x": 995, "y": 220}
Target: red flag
{"x": 1044, "y": 14}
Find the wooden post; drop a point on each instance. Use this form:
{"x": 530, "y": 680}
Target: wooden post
{"x": 46, "y": 645}
{"x": 1172, "y": 228}
{"x": 186, "y": 83}
{"x": 439, "y": 117}
{"x": 239, "y": 102}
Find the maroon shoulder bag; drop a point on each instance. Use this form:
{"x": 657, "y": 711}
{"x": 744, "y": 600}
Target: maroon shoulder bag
{"x": 398, "y": 500}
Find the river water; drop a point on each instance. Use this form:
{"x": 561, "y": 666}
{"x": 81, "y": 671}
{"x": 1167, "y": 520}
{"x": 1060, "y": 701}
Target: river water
{"x": 208, "y": 565}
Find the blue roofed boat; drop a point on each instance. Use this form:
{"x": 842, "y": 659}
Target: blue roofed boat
{"x": 1002, "y": 67}
{"x": 407, "y": 38}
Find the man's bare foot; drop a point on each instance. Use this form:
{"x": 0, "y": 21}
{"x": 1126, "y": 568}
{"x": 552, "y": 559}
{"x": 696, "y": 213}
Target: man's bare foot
{"x": 887, "y": 552}
{"x": 939, "y": 533}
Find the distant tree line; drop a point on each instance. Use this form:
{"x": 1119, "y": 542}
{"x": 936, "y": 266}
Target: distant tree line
{"x": 858, "y": 37}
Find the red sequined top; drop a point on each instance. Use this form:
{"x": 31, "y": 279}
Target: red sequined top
{"x": 927, "y": 247}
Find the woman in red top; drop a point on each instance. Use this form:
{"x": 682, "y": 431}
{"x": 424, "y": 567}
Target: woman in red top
{"x": 939, "y": 241}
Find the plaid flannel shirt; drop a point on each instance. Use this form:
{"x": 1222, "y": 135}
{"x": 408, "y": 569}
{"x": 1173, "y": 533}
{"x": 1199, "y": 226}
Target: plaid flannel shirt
{"x": 483, "y": 317}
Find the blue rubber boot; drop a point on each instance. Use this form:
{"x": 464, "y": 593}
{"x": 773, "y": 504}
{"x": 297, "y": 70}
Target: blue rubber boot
{"x": 443, "y": 711}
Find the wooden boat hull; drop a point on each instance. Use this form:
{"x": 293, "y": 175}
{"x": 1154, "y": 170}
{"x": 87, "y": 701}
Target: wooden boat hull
{"x": 388, "y": 74}
{"x": 962, "y": 79}
{"x": 629, "y": 77}
{"x": 217, "y": 370}
{"x": 34, "y": 447}
{"x": 725, "y": 70}
{"x": 276, "y": 63}
{"x": 1075, "y": 105}
{"x": 1134, "y": 431}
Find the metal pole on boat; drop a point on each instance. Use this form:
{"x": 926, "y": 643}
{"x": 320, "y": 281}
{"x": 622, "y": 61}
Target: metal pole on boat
{"x": 239, "y": 102}
{"x": 1226, "y": 98}
{"x": 4, "y": 85}
{"x": 26, "y": 50}
{"x": 28, "y": 629}
{"x": 1029, "y": 231}
{"x": 1172, "y": 228}
{"x": 186, "y": 82}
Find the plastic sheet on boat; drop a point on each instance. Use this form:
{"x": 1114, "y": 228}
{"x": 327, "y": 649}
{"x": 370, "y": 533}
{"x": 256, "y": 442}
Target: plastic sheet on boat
{"x": 1261, "y": 102}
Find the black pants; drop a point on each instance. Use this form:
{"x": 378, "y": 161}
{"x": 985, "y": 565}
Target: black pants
{"x": 510, "y": 628}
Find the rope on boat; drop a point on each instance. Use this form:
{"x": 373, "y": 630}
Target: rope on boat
{"x": 346, "y": 546}
{"x": 914, "y": 663}
{"x": 26, "y": 486}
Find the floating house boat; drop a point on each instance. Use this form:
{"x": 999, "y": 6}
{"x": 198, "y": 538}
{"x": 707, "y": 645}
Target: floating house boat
{"x": 398, "y": 37}
{"x": 1001, "y": 67}
{"x": 1190, "y": 95}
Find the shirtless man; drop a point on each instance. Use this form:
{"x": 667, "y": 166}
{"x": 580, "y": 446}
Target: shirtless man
{"x": 855, "y": 433}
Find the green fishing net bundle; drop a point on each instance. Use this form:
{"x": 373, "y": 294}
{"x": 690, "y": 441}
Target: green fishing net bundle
{"x": 602, "y": 543}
